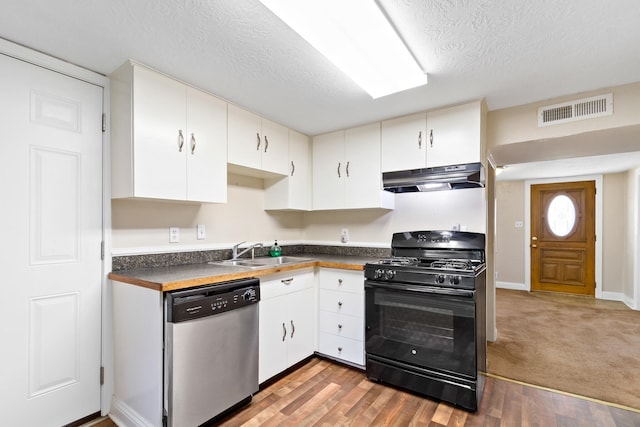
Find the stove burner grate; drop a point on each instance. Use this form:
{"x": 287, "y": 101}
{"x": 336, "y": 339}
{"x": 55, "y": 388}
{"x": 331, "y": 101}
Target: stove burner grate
{"x": 396, "y": 261}
{"x": 453, "y": 264}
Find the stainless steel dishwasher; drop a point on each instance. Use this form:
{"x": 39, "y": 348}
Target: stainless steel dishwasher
{"x": 211, "y": 350}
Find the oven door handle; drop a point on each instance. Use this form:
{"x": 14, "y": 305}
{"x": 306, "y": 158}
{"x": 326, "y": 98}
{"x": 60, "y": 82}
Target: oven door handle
{"x": 423, "y": 289}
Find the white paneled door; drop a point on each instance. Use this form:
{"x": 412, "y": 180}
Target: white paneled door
{"x": 51, "y": 217}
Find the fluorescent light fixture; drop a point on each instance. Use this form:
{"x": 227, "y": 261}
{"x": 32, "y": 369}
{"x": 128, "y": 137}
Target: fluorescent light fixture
{"x": 356, "y": 36}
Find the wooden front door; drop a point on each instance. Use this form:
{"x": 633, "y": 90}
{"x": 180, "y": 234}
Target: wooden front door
{"x": 563, "y": 237}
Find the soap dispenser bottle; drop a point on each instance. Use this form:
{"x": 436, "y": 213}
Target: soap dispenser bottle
{"x": 275, "y": 250}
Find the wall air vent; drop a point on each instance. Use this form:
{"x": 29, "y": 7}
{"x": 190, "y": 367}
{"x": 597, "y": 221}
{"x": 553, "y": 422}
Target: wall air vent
{"x": 580, "y": 109}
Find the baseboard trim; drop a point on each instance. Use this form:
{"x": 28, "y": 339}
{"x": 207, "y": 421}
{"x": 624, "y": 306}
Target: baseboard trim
{"x": 124, "y": 416}
{"x": 511, "y": 285}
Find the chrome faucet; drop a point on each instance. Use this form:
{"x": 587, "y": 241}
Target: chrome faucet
{"x": 235, "y": 254}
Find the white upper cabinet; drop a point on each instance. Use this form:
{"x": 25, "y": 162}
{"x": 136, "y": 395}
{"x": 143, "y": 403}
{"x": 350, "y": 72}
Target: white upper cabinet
{"x": 294, "y": 191}
{"x": 256, "y": 146}
{"x": 437, "y": 138}
{"x": 404, "y": 143}
{"x": 454, "y": 135}
{"x": 168, "y": 140}
{"x": 346, "y": 170}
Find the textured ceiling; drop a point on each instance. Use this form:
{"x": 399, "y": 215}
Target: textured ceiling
{"x": 509, "y": 52}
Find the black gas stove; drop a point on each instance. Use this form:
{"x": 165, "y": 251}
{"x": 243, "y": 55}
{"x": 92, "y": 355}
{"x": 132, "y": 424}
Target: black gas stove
{"x": 425, "y": 315}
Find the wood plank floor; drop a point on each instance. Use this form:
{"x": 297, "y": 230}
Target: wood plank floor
{"x": 323, "y": 393}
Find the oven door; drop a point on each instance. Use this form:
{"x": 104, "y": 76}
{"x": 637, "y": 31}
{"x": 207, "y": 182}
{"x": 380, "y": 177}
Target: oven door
{"x": 426, "y": 327}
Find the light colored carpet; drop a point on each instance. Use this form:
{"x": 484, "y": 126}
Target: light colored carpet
{"x": 569, "y": 343}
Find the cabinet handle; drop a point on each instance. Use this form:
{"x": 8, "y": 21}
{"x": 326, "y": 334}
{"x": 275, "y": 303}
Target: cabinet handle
{"x": 287, "y": 281}
{"x": 266, "y": 143}
{"x": 347, "y": 169}
{"x": 180, "y": 140}
{"x": 339, "y": 349}
{"x": 258, "y": 138}
{"x": 293, "y": 329}
{"x": 339, "y": 326}
{"x": 193, "y": 143}
{"x": 339, "y": 303}
{"x": 284, "y": 331}
{"x": 339, "y": 282}
{"x": 431, "y": 138}
{"x": 339, "y": 170}
{"x": 420, "y": 140}
{"x": 293, "y": 168}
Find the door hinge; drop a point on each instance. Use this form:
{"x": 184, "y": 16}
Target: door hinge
{"x": 104, "y": 122}
{"x": 102, "y": 250}
{"x": 101, "y": 375}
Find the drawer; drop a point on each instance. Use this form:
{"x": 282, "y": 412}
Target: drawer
{"x": 341, "y": 280}
{"x": 275, "y": 285}
{"x": 342, "y": 302}
{"x": 341, "y": 348}
{"x": 341, "y": 325}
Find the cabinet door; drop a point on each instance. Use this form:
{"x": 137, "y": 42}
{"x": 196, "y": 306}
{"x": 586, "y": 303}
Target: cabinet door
{"x": 274, "y": 148}
{"x": 294, "y": 191}
{"x": 363, "y": 181}
{"x": 301, "y": 335}
{"x": 274, "y": 331}
{"x": 454, "y": 135}
{"x": 244, "y": 139}
{"x": 404, "y": 143}
{"x": 300, "y": 171}
{"x": 328, "y": 171}
{"x": 159, "y": 111}
{"x": 206, "y": 147}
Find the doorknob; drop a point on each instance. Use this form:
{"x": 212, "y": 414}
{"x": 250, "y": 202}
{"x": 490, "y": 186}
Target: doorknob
{"x": 534, "y": 246}
{"x": 534, "y": 238}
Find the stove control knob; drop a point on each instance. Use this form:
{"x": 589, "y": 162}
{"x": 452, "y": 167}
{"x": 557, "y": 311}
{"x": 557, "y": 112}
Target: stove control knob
{"x": 378, "y": 274}
{"x": 454, "y": 280}
{"x": 389, "y": 274}
{"x": 440, "y": 278}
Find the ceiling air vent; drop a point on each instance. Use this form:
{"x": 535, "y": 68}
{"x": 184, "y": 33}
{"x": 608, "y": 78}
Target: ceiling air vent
{"x": 580, "y": 109}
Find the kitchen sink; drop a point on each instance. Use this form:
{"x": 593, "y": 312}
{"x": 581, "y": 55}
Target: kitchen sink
{"x": 262, "y": 262}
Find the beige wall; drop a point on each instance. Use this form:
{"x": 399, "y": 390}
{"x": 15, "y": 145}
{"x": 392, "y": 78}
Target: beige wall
{"x": 509, "y": 245}
{"x": 144, "y": 225}
{"x": 510, "y": 253}
{"x": 517, "y": 124}
{"x": 631, "y": 247}
{"x": 413, "y": 211}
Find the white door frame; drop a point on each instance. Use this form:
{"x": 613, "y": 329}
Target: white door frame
{"x": 527, "y": 231}
{"x": 37, "y": 58}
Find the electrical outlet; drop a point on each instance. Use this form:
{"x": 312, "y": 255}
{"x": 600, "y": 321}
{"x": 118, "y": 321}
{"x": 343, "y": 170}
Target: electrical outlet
{"x": 344, "y": 235}
{"x": 519, "y": 224}
{"x": 201, "y": 232}
{"x": 174, "y": 234}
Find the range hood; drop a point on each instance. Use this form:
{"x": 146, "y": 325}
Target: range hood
{"x": 434, "y": 179}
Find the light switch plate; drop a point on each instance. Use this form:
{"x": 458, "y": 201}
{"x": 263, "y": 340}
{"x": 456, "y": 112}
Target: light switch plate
{"x": 174, "y": 234}
{"x": 201, "y": 232}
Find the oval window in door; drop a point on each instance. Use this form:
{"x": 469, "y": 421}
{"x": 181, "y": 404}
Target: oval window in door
{"x": 561, "y": 215}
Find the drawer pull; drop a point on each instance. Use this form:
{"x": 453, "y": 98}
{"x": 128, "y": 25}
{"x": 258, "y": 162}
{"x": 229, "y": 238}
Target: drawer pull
{"x": 339, "y": 326}
{"x": 339, "y": 282}
{"x": 339, "y": 349}
{"x": 287, "y": 281}
{"x": 339, "y": 303}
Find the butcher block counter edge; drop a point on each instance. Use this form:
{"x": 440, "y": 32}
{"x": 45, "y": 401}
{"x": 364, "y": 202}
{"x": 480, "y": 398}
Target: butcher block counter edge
{"x": 172, "y": 278}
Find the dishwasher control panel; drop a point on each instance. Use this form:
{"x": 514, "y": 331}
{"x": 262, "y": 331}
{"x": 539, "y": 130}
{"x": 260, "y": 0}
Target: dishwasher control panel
{"x": 210, "y": 300}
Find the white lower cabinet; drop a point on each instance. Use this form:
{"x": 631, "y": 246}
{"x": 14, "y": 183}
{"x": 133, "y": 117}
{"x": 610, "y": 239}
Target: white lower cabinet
{"x": 287, "y": 321}
{"x": 341, "y": 315}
